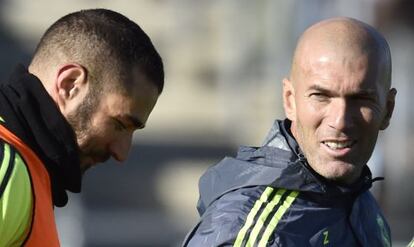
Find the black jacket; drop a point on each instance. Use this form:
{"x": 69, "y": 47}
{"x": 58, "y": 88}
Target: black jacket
{"x": 269, "y": 196}
{"x": 31, "y": 114}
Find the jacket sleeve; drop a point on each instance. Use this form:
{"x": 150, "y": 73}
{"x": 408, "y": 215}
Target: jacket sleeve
{"x": 15, "y": 197}
{"x": 222, "y": 221}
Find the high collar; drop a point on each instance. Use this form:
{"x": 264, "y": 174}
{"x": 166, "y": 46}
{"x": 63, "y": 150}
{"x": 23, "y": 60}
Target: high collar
{"x": 301, "y": 169}
{"x": 279, "y": 162}
{"x": 33, "y": 116}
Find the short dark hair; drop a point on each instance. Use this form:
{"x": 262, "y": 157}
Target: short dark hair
{"x": 103, "y": 41}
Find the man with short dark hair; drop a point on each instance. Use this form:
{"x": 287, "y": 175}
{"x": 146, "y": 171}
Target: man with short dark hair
{"x": 308, "y": 184}
{"x": 93, "y": 80}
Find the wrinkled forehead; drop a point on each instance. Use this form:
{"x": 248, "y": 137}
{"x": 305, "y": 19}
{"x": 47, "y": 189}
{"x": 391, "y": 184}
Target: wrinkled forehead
{"x": 342, "y": 72}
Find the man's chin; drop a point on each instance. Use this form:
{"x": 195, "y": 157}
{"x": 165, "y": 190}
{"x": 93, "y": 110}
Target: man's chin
{"x": 342, "y": 172}
{"x": 86, "y": 164}
{"x": 337, "y": 170}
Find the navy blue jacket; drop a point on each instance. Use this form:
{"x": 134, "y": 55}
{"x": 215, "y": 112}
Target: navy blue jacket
{"x": 269, "y": 196}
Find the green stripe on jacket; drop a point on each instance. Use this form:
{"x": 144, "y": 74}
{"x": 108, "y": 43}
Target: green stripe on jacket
{"x": 16, "y": 199}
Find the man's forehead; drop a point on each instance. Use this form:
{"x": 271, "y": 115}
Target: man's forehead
{"x": 357, "y": 77}
{"x": 337, "y": 87}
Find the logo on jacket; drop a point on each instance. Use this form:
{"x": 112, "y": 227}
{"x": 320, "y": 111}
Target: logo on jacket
{"x": 326, "y": 237}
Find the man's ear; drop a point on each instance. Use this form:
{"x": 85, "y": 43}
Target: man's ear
{"x": 70, "y": 82}
{"x": 389, "y": 108}
{"x": 289, "y": 99}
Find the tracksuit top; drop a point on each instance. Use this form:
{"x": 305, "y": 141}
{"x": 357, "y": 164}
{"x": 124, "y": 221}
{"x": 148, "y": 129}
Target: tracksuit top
{"x": 270, "y": 196}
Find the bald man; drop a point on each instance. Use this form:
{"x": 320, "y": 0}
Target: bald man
{"x": 308, "y": 184}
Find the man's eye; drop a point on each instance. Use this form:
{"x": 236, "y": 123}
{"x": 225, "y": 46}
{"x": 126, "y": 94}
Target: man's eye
{"x": 319, "y": 96}
{"x": 119, "y": 125}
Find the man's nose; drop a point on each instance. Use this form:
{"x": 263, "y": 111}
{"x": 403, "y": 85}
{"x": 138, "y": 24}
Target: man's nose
{"x": 341, "y": 116}
{"x": 119, "y": 149}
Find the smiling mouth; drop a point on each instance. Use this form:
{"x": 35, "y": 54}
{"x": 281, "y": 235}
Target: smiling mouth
{"x": 335, "y": 145}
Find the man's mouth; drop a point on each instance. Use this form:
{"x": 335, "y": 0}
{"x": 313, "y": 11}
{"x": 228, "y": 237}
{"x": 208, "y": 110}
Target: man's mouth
{"x": 339, "y": 144}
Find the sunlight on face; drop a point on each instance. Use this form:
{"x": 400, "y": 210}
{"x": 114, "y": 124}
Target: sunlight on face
{"x": 339, "y": 107}
{"x": 107, "y": 130}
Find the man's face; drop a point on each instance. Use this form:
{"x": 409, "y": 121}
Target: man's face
{"x": 337, "y": 104}
{"x": 104, "y": 124}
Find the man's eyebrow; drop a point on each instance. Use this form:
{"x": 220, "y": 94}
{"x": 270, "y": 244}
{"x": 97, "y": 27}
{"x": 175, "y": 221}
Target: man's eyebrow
{"x": 361, "y": 92}
{"x": 367, "y": 92}
{"x": 319, "y": 89}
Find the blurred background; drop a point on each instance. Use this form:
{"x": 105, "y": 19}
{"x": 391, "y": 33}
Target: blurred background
{"x": 224, "y": 63}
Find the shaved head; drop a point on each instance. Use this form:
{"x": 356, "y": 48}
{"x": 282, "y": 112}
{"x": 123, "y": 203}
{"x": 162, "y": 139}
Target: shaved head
{"x": 107, "y": 44}
{"x": 337, "y": 37}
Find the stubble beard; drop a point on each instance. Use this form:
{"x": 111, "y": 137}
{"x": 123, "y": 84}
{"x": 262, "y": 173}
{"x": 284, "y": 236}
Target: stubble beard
{"x": 81, "y": 123}
{"x": 342, "y": 172}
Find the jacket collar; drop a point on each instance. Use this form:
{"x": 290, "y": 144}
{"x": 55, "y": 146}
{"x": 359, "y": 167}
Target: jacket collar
{"x": 34, "y": 117}
{"x": 278, "y": 163}
{"x": 303, "y": 176}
